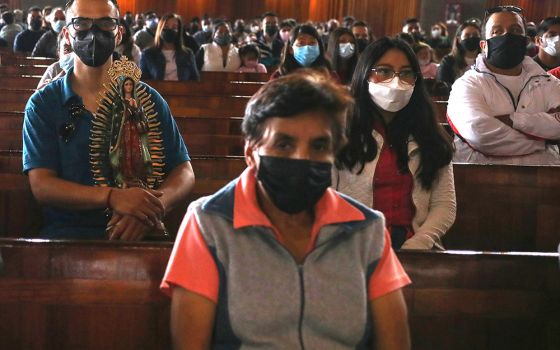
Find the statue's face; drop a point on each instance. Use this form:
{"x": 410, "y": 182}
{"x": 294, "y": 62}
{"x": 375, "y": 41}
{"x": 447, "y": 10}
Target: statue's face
{"x": 128, "y": 86}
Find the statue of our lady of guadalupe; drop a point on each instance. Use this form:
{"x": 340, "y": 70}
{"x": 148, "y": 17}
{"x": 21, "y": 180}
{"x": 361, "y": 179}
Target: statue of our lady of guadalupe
{"x": 126, "y": 148}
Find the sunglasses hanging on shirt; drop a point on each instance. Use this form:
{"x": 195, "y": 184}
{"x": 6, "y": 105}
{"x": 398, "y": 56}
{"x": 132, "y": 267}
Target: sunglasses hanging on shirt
{"x": 68, "y": 129}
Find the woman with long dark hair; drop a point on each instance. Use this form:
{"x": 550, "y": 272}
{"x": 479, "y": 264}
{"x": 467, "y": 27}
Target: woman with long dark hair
{"x": 343, "y": 53}
{"x": 463, "y": 54}
{"x": 303, "y": 50}
{"x": 169, "y": 59}
{"x": 398, "y": 158}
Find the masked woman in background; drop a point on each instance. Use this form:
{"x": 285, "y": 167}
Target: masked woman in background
{"x": 303, "y": 50}
{"x": 398, "y": 158}
{"x": 342, "y": 52}
{"x": 220, "y": 55}
{"x": 169, "y": 59}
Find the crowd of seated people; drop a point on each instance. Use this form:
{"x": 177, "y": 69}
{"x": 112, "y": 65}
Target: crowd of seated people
{"x": 376, "y": 140}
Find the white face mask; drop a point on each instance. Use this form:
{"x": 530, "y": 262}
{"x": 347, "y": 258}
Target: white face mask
{"x": 392, "y": 96}
{"x": 552, "y": 46}
{"x": 346, "y": 50}
{"x": 436, "y": 33}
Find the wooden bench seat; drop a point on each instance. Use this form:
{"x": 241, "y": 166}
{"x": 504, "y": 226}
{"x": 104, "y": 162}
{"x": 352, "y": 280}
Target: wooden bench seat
{"x": 20, "y": 215}
{"x": 105, "y": 295}
{"x": 193, "y": 105}
{"x": 18, "y": 59}
{"x": 23, "y": 70}
{"x": 490, "y": 215}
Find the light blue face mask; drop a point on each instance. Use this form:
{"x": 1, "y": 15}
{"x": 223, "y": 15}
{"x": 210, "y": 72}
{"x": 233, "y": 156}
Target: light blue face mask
{"x": 306, "y": 55}
{"x": 58, "y": 25}
{"x": 67, "y": 62}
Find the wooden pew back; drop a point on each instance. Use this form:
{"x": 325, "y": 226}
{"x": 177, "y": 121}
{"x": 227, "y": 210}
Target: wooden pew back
{"x": 104, "y": 295}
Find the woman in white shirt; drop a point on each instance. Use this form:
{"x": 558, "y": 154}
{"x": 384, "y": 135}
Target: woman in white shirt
{"x": 220, "y": 55}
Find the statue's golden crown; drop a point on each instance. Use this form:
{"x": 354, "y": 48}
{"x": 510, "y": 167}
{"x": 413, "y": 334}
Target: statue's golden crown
{"x": 124, "y": 67}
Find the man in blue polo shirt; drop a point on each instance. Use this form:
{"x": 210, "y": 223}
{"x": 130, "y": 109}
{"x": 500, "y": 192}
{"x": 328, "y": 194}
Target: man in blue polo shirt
{"x": 56, "y": 149}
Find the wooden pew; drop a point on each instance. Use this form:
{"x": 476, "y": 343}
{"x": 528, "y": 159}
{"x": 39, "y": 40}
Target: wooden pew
{"x": 15, "y": 60}
{"x": 14, "y": 99}
{"x": 104, "y": 295}
{"x": 23, "y": 70}
{"x": 490, "y": 215}
{"x": 21, "y": 214}
{"x": 501, "y": 207}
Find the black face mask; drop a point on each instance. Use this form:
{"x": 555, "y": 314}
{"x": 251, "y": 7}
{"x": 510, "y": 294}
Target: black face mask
{"x": 362, "y": 44}
{"x": 418, "y": 36}
{"x": 223, "y": 39}
{"x": 35, "y": 24}
{"x": 294, "y": 185}
{"x": 94, "y": 47}
{"x": 271, "y": 30}
{"x": 169, "y": 35}
{"x": 506, "y": 51}
{"x": 470, "y": 44}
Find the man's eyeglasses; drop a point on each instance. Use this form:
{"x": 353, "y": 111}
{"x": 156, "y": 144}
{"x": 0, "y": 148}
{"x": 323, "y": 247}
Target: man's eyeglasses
{"x": 68, "y": 129}
{"x": 385, "y": 75}
{"x": 83, "y": 23}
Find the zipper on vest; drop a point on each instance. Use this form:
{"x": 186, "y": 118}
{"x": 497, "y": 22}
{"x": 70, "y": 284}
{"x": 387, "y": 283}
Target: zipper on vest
{"x": 302, "y": 306}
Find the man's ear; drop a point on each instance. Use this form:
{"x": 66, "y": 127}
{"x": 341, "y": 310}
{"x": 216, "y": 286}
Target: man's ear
{"x": 66, "y": 35}
{"x": 482, "y": 45}
{"x": 249, "y": 153}
{"x": 539, "y": 41}
{"x": 119, "y": 35}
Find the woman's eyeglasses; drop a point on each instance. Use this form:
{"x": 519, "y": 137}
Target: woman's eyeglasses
{"x": 385, "y": 75}
{"x": 68, "y": 129}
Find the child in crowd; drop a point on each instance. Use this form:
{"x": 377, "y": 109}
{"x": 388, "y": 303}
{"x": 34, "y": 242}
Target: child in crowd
{"x": 250, "y": 56}
{"x": 427, "y": 66}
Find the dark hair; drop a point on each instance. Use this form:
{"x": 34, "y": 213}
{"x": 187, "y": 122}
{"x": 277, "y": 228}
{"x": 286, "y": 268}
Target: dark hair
{"x": 216, "y": 24}
{"x": 417, "y": 119}
{"x": 268, "y": 14}
{"x": 289, "y": 64}
{"x": 249, "y": 48}
{"x": 126, "y": 41}
{"x": 410, "y": 20}
{"x": 457, "y": 50}
{"x": 407, "y": 38}
{"x": 286, "y": 23}
{"x": 35, "y": 8}
{"x": 71, "y": 2}
{"x": 333, "y": 53}
{"x": 294, "y": 94}
{"x": 178, "y": 44}
{"x": 546, "y": 23}
{"x": 8, "y": 17}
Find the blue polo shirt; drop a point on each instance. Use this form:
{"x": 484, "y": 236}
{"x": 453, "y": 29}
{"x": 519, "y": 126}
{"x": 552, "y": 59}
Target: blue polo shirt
{"x": 43, "y": 147}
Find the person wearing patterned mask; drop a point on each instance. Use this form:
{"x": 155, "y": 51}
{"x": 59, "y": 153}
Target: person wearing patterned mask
{"x": 65, "y": 140}
{"x": 505, "y": 110}
{"x": 342, "y": 53}
{"x": 220, "y": 55}
{"x": 398, "y": 158}
{"x": 548, "y": 41}
{"x": 303, "y": 50}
